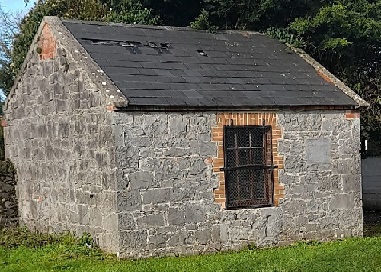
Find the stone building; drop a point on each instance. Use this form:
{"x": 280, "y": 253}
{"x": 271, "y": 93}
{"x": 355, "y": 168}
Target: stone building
{"x": 161, "y": 140}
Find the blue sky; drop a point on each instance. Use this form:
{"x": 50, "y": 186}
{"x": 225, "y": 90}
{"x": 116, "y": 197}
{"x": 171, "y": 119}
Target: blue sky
{"x": 15, "y": 5}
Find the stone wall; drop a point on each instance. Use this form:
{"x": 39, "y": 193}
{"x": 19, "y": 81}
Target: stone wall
{"x": 165, "y": 198}
{"x": 166, "y": 201}
{"x": 371, "y": 180}
{"x": 322, "y": 175}
{"x": 60, "y": 139}
{"x": 8, "y": 198}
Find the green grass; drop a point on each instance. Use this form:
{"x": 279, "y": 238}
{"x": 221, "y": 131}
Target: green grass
{"x": 65, "y": 253}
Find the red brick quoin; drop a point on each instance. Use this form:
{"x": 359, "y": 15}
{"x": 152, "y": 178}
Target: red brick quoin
{"x": 352, "y": 114}
{"x": 47, "y": 48}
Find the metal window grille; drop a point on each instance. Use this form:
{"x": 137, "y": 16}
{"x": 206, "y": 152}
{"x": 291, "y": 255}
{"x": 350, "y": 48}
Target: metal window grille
{"x": 248, "y": 166}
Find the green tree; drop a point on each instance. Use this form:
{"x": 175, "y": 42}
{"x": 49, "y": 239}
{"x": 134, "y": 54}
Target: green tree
{"x": 130, "y": 12}
{"x": 28, "y": 26}
{"x": 346, "y": 38}
{"x": 175, "y": 12}
{"x": 8, "y": 30}
{"x": 202, "y": 22}
{"x": 17, "y": 43}
{"x": 261, "y": 14}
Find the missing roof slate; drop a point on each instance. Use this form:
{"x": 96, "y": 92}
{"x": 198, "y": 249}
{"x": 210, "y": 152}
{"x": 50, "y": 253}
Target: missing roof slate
{"x": 202, "y": 53}
{"x": 132, "y": 46}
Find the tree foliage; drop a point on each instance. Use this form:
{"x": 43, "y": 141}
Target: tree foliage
{"x": 202, "y": 22}
{"x": 8, "y": 30}
{"x": 28, "y": 26}
{"x": 346, "y": 38}
{"x": 260, "y": 14}
{"x": 130, "y": 12}
{"x": 175, "y": 12}
{"x": 12, "y": 57}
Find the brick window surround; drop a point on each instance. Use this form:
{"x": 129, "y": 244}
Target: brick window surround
{"x": 242, "y": 119}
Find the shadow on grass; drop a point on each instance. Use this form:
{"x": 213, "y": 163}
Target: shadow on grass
{"x": 372, "y": 223}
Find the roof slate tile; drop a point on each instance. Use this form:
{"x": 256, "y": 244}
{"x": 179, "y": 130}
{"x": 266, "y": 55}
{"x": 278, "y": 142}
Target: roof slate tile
{"x": 177, "y": 67}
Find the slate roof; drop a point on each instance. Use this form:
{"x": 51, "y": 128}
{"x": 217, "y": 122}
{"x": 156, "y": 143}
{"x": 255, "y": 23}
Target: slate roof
{"x": 179, "y": 67}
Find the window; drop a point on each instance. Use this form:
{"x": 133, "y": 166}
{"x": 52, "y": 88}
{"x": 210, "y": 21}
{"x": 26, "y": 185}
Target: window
{"x": 248, "y": 166}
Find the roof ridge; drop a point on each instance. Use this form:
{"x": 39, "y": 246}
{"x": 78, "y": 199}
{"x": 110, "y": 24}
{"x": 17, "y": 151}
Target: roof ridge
{"x": 161, "y": 27}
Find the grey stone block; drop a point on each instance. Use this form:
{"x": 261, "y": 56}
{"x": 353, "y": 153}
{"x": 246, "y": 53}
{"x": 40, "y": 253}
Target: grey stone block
{"x": 204, "y": 148}
{"x": 149, "y": 220}
{"x": 157, "y": 241}
{"x": 351, "y": 183}
{"x": 194, "y": 214}
{"x": 318, "y": 151}
{"x": 63, "y": 130}
{"x": 176, "y": 216}
{"x": 177, "y": 238}
{"x": 142, "y": 141}
{"x": 133, "y": 239}
{"x": 146, "y": 152}
{"x": 177, "y": 125}
{"x": 203, "y": 237}
{"x": 129, "y": 201}
{"x": 127, "y": 221}
{"x": 197, "y": 166}
{"x": 330, "y": 183}
{"x": 140, "y": 180}
{"x": 177, "y": 152}
{"x": 156, "y": 196}
{"x": 179, "y": 195}
{"x": 345, "y": 166}
{"x": 342, "y": 201}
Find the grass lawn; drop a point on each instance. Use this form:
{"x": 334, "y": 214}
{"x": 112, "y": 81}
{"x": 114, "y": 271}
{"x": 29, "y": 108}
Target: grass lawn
{"x": 30, "y": 252}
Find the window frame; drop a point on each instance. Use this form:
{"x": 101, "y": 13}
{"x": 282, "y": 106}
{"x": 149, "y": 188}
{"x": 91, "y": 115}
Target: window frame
{"x": 251, "y": 167}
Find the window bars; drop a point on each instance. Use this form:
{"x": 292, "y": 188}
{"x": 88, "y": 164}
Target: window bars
{"x": 248, "y": 166}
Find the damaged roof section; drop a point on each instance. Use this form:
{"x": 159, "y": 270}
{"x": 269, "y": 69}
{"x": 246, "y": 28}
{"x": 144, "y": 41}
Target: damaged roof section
{"x": 178, "y": 67}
